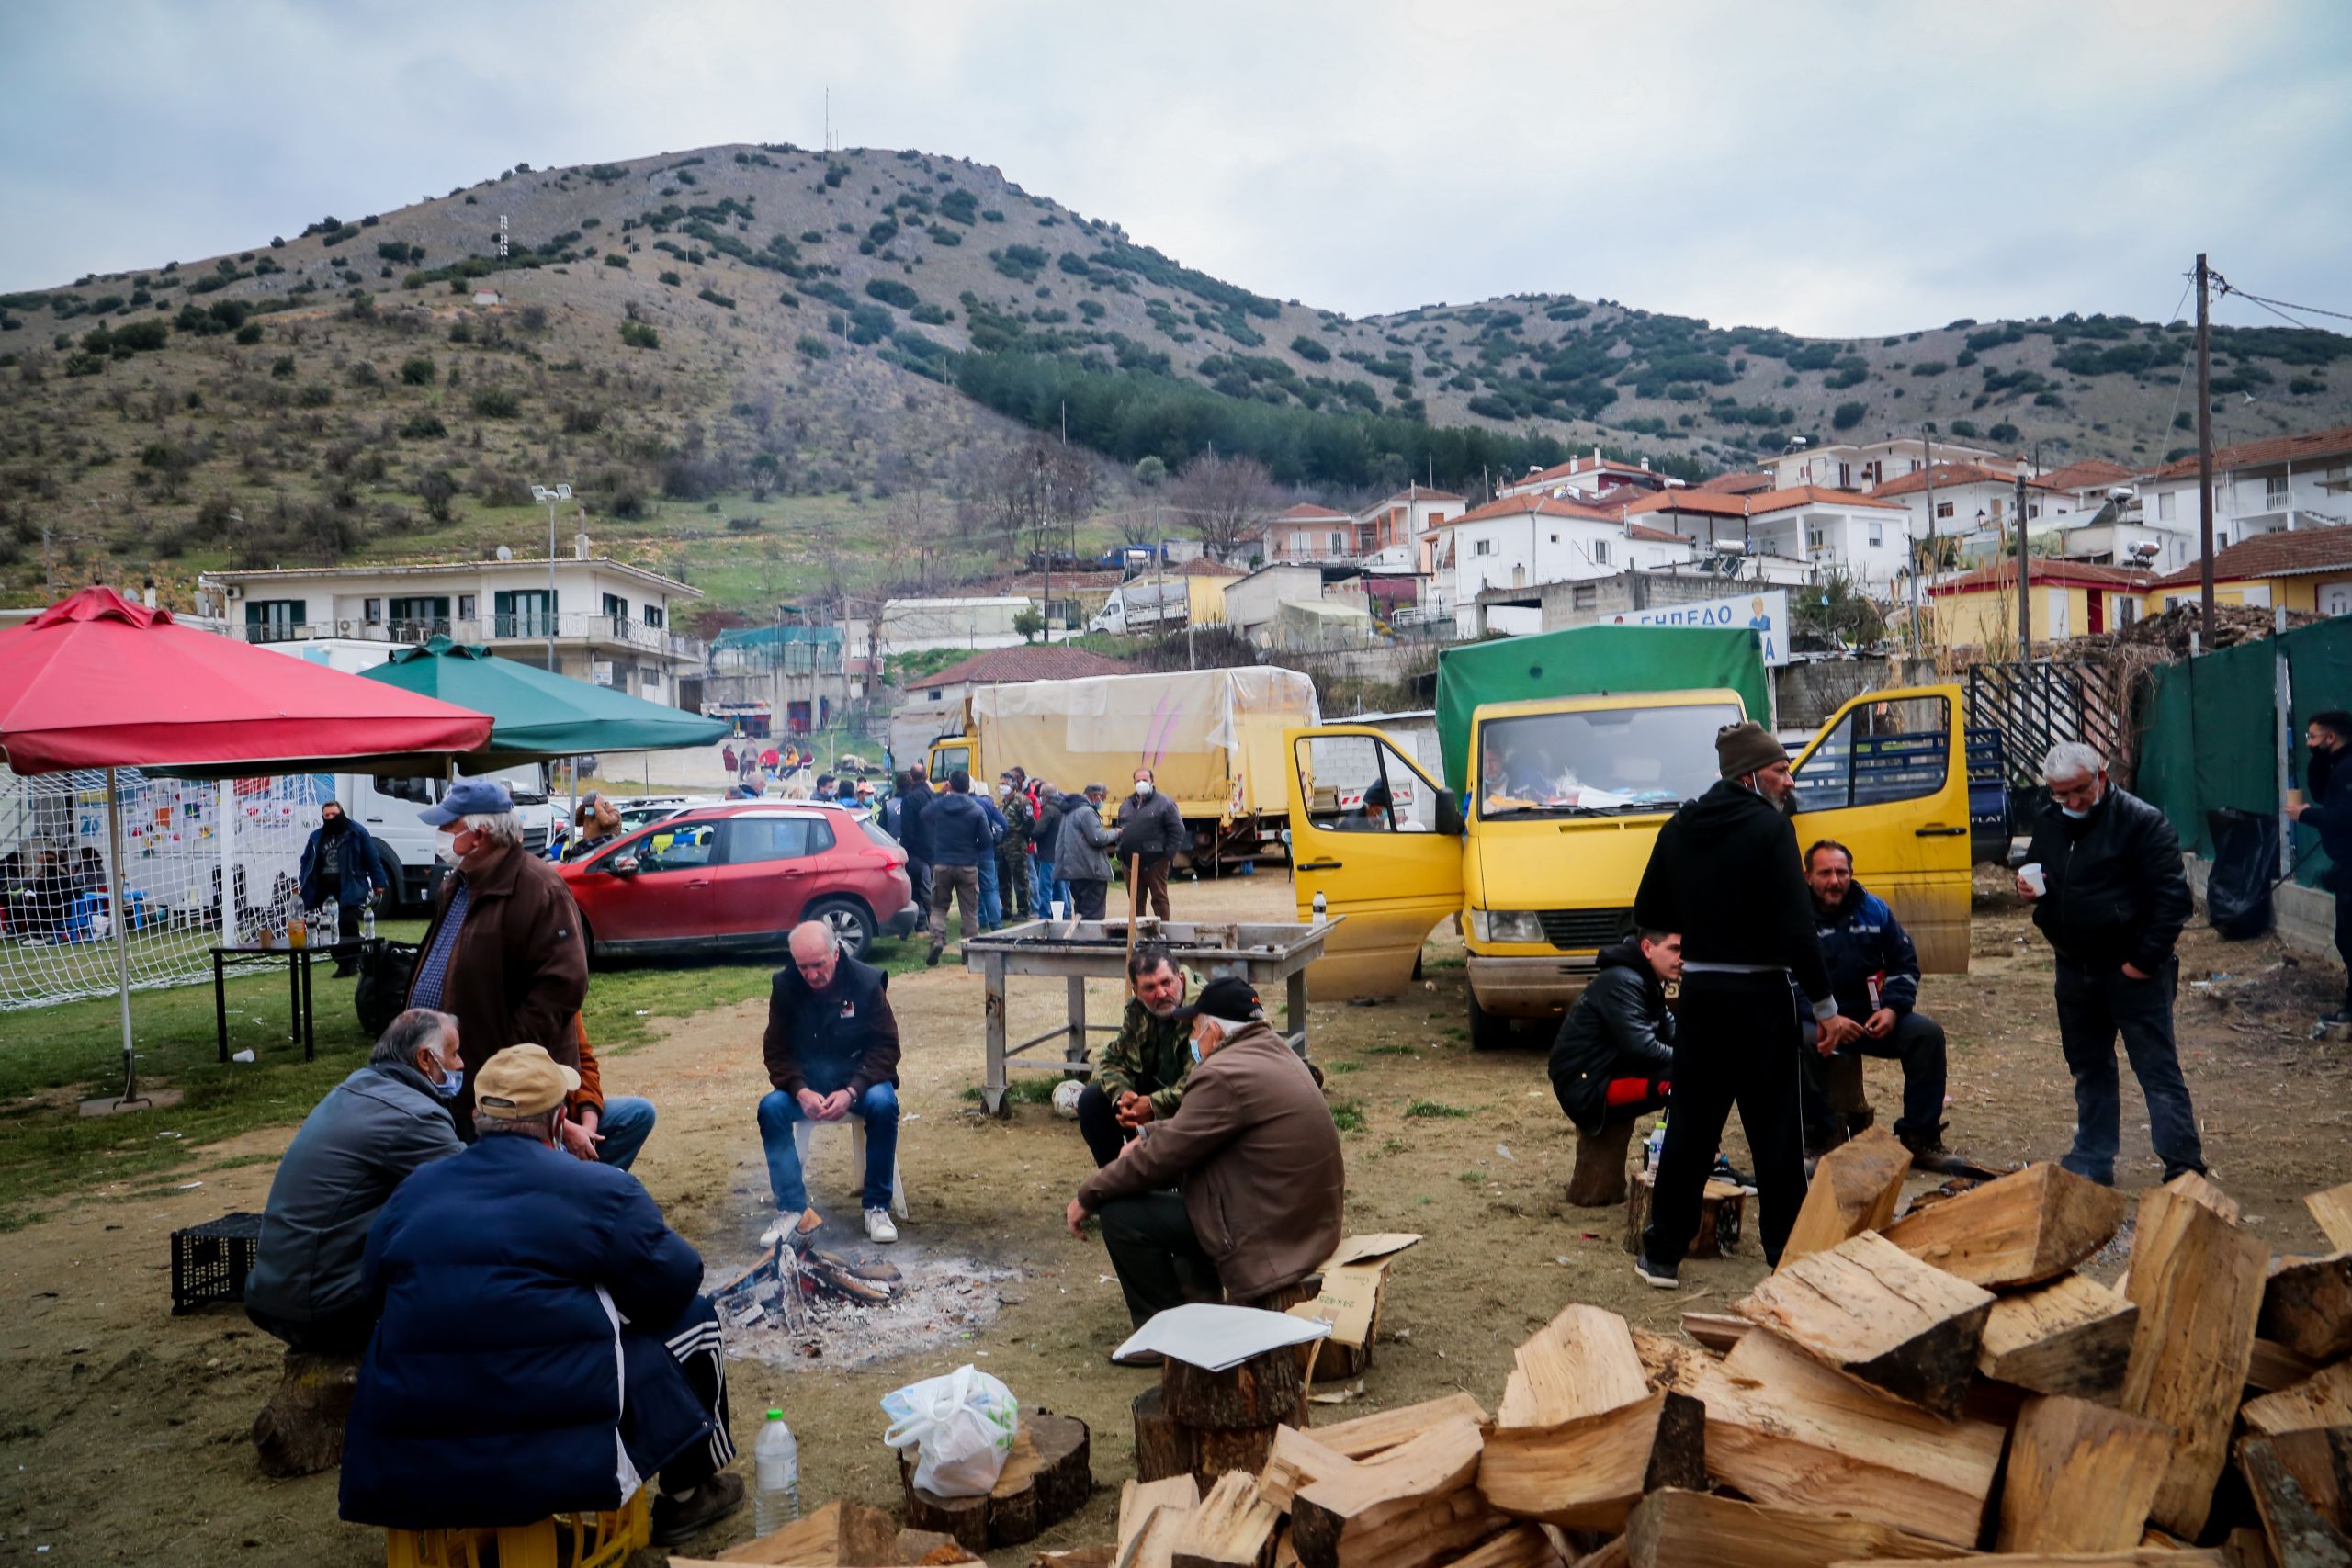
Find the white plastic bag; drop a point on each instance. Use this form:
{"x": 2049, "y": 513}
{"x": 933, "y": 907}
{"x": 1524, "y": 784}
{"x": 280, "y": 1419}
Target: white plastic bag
{"x": 962, "y": 1425}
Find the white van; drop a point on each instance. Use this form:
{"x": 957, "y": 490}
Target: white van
{"x": 387, "y": 807}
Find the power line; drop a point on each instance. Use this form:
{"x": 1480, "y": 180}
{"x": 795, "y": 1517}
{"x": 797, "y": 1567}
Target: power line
{"x": 2280, "y": 307}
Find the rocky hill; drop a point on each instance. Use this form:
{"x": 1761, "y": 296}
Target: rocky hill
{"x": 761, "y": 365}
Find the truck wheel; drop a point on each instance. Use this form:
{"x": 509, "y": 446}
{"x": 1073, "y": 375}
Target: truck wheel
{"x": 849, "y": 921}
{"x": 1488, "y": 1031}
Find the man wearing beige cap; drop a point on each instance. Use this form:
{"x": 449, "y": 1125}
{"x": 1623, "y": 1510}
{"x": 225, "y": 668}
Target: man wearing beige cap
{"x": 541, "y": 1346}
{"x": 1725, "y": 873}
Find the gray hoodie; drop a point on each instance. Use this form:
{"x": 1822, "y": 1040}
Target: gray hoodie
{"x": 1078, "y": 855}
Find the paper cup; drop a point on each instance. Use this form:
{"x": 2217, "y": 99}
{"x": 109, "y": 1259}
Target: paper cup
{"x": 1057, "y": 907}
{"x": 2030, "y": 874}
{"x": 2294, "y": 797}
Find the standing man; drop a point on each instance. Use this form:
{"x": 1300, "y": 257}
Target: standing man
{"x": 960, "y": 841}
{"x": 1725, "y": 873}
{"x": 341, "y": 862}
{"x": 1045, "y": 831}
{"x": 2113, "y": 900}
{"x": 915, "y": 801}
{"x": 992, "y": 883}
{"x": 1079, "y": 858}
{"x": 1140, "y": 1078}
{"x": 1874, "y": 979}
{"x": 2328, "y": 810}
{"x": 503, "y": 951}
{"x": 1012, "y": 850}
{"x": 832, "y": 1051}
{"x": 1149, "y": 826}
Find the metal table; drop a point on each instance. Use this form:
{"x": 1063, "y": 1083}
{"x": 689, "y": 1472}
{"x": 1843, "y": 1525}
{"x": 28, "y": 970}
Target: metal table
{"x": 299, "y": 1028}
{"x": 1263, "y": 953}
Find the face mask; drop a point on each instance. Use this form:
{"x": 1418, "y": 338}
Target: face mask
{"x": 1194, "y": 1044}
{"x": 445, "y": 848}
{"x": 2071, "y": 812}
{"x": 1143, "y": 789}
{"x": 448, "y": 1087}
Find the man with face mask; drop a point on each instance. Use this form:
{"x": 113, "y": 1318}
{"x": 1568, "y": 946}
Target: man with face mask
{"x": 1152, "y": 829}
{"x": 1255, "y": 1160}
{"x": 341, "y": 862}
{"x": 387, "y": 1120}
{"x": 503, "y": 951}
{"x": 1079, "y": 858}
{"x": 1725, "y": 873}
{"x": 2113, "y": 901}
{"x": 2327, "y": 809}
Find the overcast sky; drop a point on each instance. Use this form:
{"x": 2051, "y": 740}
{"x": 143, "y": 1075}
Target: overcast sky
{"x": 1828, "y": 168}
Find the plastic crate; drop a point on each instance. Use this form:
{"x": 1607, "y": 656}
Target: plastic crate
{"x": 209, "y": 1261}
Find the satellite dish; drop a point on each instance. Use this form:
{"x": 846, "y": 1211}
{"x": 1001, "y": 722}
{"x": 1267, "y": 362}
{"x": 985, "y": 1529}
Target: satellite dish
{"x": 505, "y": 553}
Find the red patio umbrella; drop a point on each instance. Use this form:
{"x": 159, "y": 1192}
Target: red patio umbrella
{"x": 99, "y": 682}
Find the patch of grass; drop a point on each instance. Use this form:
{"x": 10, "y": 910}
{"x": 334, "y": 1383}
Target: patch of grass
{"x": 1392, "y": 1146}
{"x": 1390, "y": 1051}
{"x": 1025, "y": 1090}
{"x": 1348, "y": 1116}
{"x": 1343, "y": 1068}
{"x": 1472, "y": 1178}
{"x": 1427, "y": 1109}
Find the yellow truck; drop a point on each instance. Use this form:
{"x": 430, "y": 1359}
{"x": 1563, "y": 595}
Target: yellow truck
{"x": 1214, "y": 740}
{"x": 1539, "y": 860}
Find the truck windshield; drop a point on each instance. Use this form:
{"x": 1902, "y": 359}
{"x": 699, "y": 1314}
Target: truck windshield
{"x": 1608, "y": 760}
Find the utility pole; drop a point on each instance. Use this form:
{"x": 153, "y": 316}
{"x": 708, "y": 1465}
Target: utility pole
{"x": 1928, "y": 452}
{"x": 2025, "y": 578}
{"x": 2204, "y": 451}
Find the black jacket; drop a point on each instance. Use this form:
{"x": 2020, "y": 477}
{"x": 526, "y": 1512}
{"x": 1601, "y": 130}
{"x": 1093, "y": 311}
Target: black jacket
{"x": 2327, "y": 781}
{"x": 2117, "y": 892}
{"x": 959, "y": 830}
{"x": 843, "y": 1037}
{"x": 1862, "y": 941}
{"x": 914, "y": 834}
{"x": 1725, "y": 873}
{"x": 1619, "y": 1028}
{"x": 1153, "y": 827}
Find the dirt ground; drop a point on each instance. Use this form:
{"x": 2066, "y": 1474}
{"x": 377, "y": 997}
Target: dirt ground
{"x": 123, "y": 1428}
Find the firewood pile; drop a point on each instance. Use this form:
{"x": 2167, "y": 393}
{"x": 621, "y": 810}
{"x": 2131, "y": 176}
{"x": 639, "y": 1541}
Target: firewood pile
{"x": 1918, "y": 1388}
{"x": 2170, "y": 629}
{"x": 781, "y": 1284}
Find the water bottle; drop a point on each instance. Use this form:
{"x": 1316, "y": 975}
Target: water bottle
{"x": 1655, "y": 1144}
{"x": 775, "y": 1502}
{"x": 368, "y": 921}
{"x": 1320, "y": 907}
{"x": 329, "y": 923}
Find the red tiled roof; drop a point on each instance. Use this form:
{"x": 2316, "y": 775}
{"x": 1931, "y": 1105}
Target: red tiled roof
{"x": 1575, "y": 465}
{"x": 1203, "y": 566}
{"x": 1003, "y": 664}
{"x": 1811, "y": 495}
{"x": 1954, "y": 474}
{"x": 2313, "y": 444}
{"x": 1746, "y": 483}
{"x": 2291, "y": 553}
{"x": 2003, "y": 574}
{"x": 1421, "y": 493}
{"x": 1661, "y": 535}
{"x": 1521, "y": 505}
{"x": 2083, "y": 475}
{"x": 1308, "y": 512}
{"x": 1713, "y": 504}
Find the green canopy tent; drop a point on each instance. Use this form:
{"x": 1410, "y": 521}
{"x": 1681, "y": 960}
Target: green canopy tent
{"x": 536, "y": 714}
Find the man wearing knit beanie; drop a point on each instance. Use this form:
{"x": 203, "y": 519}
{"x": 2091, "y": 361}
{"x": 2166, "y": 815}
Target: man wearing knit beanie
{"x": 1725, "y": 873}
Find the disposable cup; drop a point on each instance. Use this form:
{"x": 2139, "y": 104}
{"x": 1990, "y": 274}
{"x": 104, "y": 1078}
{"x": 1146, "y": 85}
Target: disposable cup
{"x": 1057, "y": 908}
{"x": 2030, "y": 874}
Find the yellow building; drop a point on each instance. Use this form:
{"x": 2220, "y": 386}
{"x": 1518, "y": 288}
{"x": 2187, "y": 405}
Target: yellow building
{"x": 1204, "y": 582}
{"x": 2069, "y": 599}
{"x": 2309, "y": 568}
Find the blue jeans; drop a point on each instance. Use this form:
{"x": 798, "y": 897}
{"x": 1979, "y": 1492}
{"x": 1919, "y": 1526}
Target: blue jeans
{"x": 2095, "y": 1004}
{"x": 991, "y": 898}
{"x": 877, "y": 1107}
{"x": 1041, "y": 875}
{"x": 627, "y": 1122}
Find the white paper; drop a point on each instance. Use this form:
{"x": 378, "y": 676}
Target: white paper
{"x": 1215, "y": 1337}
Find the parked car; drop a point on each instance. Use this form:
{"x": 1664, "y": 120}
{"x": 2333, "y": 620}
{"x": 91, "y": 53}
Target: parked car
{"x": 734, "y": 878}
{"x": 637, "y": 810}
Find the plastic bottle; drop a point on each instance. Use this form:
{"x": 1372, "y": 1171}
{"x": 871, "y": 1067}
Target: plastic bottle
{"x": 329, "y": 923}
{"x": 1320, "y": 907}
{"x": 776, "y": 1499}
{"x": 368, "y": 921}
{"x": 1655, "y": 1144}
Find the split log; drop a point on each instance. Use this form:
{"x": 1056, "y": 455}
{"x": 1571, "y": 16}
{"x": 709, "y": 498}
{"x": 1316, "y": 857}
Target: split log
{"x": 1233, "y": 1527}
{"x": 1219, "y": 1450}
{"x": 2199, "y": 1187}
{"x": 2081, "y": 1477}
{"x": 1045, "y": 1479}
{"x": 1163, "y": 1444}
{"x": 1138, "y": 1499}
{"x": 1787, "y": 1432}
{"x": 837, "y": 1533}
{"x": 1581, "y": 1363}
{"x": 1265, "y": 1390}
{"x": 1367, "y": 1435}
{"x": 1521, "y": 1546}
{"x": 1875, "y": 1313}
{"x": 1700, "y": 1529}
{"x": 2320, "y": 1459}
{"x": 2071, "y": 1336}
{"x": 2323, "y": 1399}
{"x": 1722, "y": 1214}
{"x": 1610, "y": 1556}
{"x": 1598, "y": 1179}
{"x": 1589, "y": 1472}
{"x": 2332, "y": 1212}
{"x": 1297, "y": 1462}
{"x": 1154, "y": 1543}
{"x": 1077, "y": 1557}
{"x": 2275, "y": 1367}
{"x": 2300, "y": 1536}
{"x": 2020, "y": 1230}
{"x": 1718, "y": 1331}
{"x": 2307, "y": 1306}
{"x": 2138, "y": 1557}
{"x": 927, "y": 1547}
{"x": 1855, "y": 1187}
{"x": 2197, "y": 1282}
{"x": 1413, "y": 1507}
{"x": 299, "y": 1431}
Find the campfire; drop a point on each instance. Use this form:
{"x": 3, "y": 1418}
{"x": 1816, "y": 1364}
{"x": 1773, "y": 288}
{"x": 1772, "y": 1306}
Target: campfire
{"x": 786, "y": 1281}
{"x": 802, "y": 1307}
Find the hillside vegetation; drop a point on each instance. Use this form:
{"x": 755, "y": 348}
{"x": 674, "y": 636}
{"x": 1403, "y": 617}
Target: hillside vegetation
{"x": 773, "y": 371}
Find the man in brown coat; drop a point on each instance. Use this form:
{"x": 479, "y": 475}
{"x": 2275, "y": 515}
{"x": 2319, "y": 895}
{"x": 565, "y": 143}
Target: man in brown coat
{"x": 1255, "y": 1154}
{"x": 503, "y": 953}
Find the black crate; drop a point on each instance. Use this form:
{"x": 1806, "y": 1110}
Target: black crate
{"x": 209, "y": 1261}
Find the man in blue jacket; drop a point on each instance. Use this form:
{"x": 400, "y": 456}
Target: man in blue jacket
{"x": 341, "y": 863}
{"x": 960, "y": 843}
{"x": 2327, "y": 809}
{"x": 1874, "y": 979}
{"x": 539, "y": 1347}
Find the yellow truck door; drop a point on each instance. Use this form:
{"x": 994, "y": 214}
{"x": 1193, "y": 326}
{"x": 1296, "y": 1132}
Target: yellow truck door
{"x": 1888, "y": 778}
{"x": 1394, "y": 872}
{"x": 957, "y": 753}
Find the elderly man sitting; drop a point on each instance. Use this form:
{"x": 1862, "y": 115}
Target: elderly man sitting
{"x": 1254, "y": 1158}
{"x": 831, "y": 1050}
{"x": 384, "y": 1122}
{"x": 541, "y": 1348}
{"x": 1141, "y": 1075}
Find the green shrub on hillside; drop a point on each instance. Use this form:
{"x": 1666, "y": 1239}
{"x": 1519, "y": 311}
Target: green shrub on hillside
{"x": 496, "y": 403}
{"x": 713, "y": 297}
{"x": 614, "y": 258}
{"x": 891, "y": 291}
{"x": 1309, "y": 349}
{"x": 1848, "y": 415}
{"x": 813, "y": 347}
{"x": 640, "y": 334}
{"x": 418, "y": 371}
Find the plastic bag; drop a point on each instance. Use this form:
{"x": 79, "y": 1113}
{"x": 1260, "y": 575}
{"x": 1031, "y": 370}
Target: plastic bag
{"x": 2245, "y": 868}
{"x": 962, "y": 1427}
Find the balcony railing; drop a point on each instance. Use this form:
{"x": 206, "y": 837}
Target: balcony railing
{"x": 527, "y": 627}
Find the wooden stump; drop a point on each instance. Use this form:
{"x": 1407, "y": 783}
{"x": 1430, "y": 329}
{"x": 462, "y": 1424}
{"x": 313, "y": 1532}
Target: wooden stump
{"x": 1721, "y": 1210}
{"x": 299, "y": 1431}
{"x": 1265, "y": 1390}
{"x": 1045, "y": 1479}
{"x": 1163, "y": 1445}
{"x": 1598, "y": 1179}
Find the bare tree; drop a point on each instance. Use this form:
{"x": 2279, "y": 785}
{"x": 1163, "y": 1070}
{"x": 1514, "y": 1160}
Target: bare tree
{"x": 1032, "y": 489}
{"x": 1224, "y": 499}
{"x": 921, "y": 523}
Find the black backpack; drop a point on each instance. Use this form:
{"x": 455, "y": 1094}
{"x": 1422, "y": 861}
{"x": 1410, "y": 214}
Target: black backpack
{"x": 385, "y": 967}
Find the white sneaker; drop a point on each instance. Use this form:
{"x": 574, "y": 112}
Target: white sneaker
{"x": 878, "y": 1226}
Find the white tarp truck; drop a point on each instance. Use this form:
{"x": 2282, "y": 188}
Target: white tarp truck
{"x": 1145, "y": 605}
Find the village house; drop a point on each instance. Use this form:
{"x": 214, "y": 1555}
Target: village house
{"x": 1591, "y": 479}
{"x": 2272, "y": 486}
{"x": 1522, "y": 540}
{"x": 1979, "y": 609}
{"x": 933, "y": 705}
{"x": 1790, "y": 535}
{"x": 2307, "y": 569}
{"x": 1864, "y": 465}
{"x": 1395, "y": 533}
{"x": 1975, "y": 503}
{"x": 1308, "y": 533}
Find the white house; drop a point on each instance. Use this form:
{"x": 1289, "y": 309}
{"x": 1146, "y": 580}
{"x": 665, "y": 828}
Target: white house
{"x": 1253, "y": 604}
{"x": 1790, "y": 535}
{"x": 1969, "y": 497}
{"x": 1310, "y": 533}
{"x": 1864, "y": 465}
{"x": 1523, "y": 540}
{"x": 1589, "y": 479}
{"x": 2260, "y": 487}
{"x": 1397, "y": 533}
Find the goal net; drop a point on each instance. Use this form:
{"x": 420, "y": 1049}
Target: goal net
{"x": 183, "y": 840}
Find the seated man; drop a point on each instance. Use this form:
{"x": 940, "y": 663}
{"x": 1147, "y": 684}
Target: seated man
{"x": 1371, "y": 816}
{"x": 831, "y": 1050}
{"x": 1255, "y": 1160}
{"x": 1875, "y": 972}
{"x": 384, "y": 1122}
{"x": 540, "y": 1346}
{"x": 602, "y": 1127}
{"x": 1141, "y": 1075}
{"x": 1615, "y": 1052}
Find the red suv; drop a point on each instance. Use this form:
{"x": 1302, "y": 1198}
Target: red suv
{"x": 720, "y": 878}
